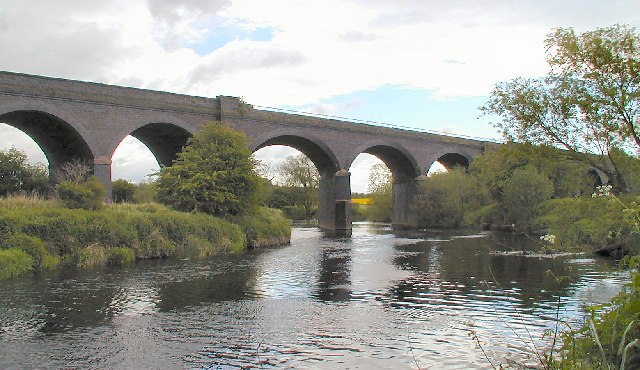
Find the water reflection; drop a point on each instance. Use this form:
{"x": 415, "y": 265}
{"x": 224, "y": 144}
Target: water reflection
{"x": 378, "y": 299}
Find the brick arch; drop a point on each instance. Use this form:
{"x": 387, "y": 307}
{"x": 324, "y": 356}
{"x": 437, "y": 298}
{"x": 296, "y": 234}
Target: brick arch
{"x": 451, "y": 158}
{"x": 61, "y": 138}
{"x": 315, "y": 149}
{"x": 164, "y": 136}
{"x": 400, "y": 161}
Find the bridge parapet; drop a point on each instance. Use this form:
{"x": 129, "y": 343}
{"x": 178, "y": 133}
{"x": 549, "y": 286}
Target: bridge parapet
{"x": 19, "y": 84}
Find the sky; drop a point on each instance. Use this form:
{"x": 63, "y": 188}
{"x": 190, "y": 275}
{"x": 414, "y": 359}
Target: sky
{"x": 424, "y": 64}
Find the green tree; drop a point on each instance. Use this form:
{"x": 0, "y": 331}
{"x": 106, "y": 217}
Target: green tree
{"x": 77, "y": 188}
{"x": 213, "y": 174}
{"x": 380, "y": 189}
{"x": 523, "y": 194}
{"x": 17, "y": 175}
{"x": 446, "y": 198}
{"x": 587, "y": 105}
{"x": 299, "y": 172}
{"x": 122, "y": 191}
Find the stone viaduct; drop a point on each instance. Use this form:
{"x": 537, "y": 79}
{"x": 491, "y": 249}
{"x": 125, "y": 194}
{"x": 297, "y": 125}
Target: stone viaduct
{"x": 72, "y": 119}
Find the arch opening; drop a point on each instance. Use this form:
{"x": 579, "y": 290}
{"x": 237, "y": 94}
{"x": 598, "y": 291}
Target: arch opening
{"x": 164, "y": 140}
{"x": 325, "y": 162}
{"x": 451, "y": 160}
{"x": 291, "y": 181}
{"x": 402, "y": 167}
{"x": 58, "y": 140}
{"x": 133, "y": 161}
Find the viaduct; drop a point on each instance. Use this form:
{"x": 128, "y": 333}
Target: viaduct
{"x": 82, "y": 120}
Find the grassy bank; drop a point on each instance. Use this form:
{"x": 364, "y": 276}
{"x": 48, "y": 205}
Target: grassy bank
{"x": 37, "y": 235}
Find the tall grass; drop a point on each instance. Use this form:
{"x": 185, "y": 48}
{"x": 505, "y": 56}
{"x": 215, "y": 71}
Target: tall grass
{"x": 46, "y": 231}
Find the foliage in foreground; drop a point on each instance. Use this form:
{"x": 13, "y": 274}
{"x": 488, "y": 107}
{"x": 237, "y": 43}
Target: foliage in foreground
{"x": 609, "y": 339}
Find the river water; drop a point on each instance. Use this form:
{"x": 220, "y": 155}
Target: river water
{"x": 375, "y": 300}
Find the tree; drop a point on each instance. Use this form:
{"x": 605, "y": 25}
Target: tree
{"x": 524, "y": 192}
{"x": 588, "y": 104}
{"x": 122, "y": 191}
{"x": 213, "y": 174}
{"x": 380, "y": 190}
{"x": 299, "y": 172}
{"x": 17, "y": 175}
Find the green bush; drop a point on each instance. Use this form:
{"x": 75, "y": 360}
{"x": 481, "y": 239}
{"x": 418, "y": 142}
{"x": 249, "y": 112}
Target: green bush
{"x": 265, "y": 224}
{"x": 120, "y": 256}
{"x": 42, "y": 259}
{"x": 87, "y": 195}
{"x": 586, "y": 222}
{"x": 91, "y": 256}
{"x": 523, "y": 194}
{"x": 604, "y": 341}
{"x": 122, "y": 191}
{"x": 14, "y": 262}
{"x": 213, "y": 174}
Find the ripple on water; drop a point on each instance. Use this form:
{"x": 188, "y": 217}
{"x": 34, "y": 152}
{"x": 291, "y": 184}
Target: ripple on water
{"x": 375, "y": 300}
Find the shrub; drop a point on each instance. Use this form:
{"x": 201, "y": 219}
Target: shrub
{"x": 91, "y": 256}
{"x": 213, "y": 174}
{"x": 120, "y": 256}
{"x": 87, "y": 195}
{"x": 122, "y": 191}
{"x": 42, "y": 259}
{"x": 523, "y": 194}
{"x": 14, "y": 262}
{"x": 265, "y": 224}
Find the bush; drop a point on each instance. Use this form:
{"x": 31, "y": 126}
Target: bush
{"x": 87, "y": 195}
{"x": 265, "y": 224}
{"x": 41, "y": 258}
{"x": 91, "y": 256}
{"x": 14, "y": 262}
{"x": 213, "y": 174}
{"x": 445, "y": 198}
{"x": 120, "y": 256}
{"x": 122, "y": 191}
{"x": 585, "y": 221}
{"x": 523, "y": 194}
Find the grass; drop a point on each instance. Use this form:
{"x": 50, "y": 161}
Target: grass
{"x": 118, "y": 234}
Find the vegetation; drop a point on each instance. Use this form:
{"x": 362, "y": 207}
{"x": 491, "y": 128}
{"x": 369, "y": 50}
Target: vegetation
{"x": 18, "y": 176}
{"x": 213, "y": 174}
{"x": 300, "y": 191}
{"x": 122, "y": 191}
{"x": 380, "y": 191}
{"x": 588, "y": 103}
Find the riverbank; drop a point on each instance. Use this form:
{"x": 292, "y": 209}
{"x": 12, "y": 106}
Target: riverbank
{"x": 37, "y": 235}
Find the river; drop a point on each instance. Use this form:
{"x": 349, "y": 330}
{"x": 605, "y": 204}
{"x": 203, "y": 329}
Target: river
{"x": 375, "y": 300}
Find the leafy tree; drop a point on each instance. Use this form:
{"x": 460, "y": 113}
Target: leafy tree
{"x": 587, "y": 105}
{"x": 380, "y": 190}
{"x": 569, "y": 176}
{"x": 213, "y": 174}
{"x": 17, "y": 175}
{"x": 299, "y": 172}
{"x": 447, "y": 197}
{"x": 122, "y": 191}
{"x": 523, "y": 194}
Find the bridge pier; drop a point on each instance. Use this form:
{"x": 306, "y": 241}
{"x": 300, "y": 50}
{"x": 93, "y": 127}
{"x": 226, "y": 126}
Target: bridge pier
{"x": 334, "y": 208}
{"x": 404, "y": 214}
{"x": 102, "y": 172}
